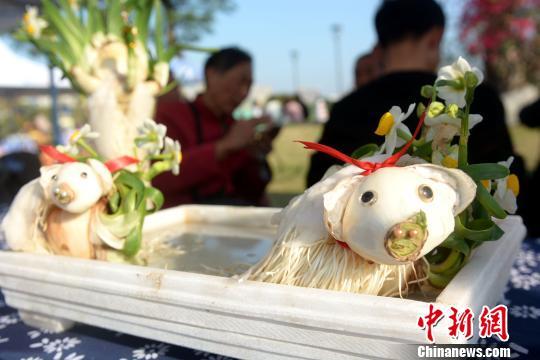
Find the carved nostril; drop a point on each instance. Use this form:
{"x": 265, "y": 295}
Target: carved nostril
{"x": 398, "y": 233}
{"x": 63, "y": 194}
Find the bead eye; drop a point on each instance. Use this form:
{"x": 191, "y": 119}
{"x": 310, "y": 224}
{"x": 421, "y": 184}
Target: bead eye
{"x": 84, "y": 175}
{"x": 425, "y": 193}
{"x": 368, "y": 198}
{"x": 54, "y": 177}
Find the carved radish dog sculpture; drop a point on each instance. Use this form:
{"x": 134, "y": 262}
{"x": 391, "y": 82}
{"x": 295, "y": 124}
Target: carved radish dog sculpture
{"x": 383, "y": 222}
{"x": 58, "y": 212}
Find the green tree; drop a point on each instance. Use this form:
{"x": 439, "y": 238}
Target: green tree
{"x": 189, "y": 19}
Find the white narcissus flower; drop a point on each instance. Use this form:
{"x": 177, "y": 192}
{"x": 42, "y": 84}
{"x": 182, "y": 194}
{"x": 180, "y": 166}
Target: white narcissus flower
{"x": 443, "y": 128}
{"x": 33, "y": 24}
{"x": 69, "y": 149}
{"x": 456, "y": 72}
{"x": 83, "y": 133}
{"x": 507, "y": 189}
{"x": 173, "y": 147}
{"x": 447, "y": 156}
{"x": 388, "y": 126}
{"x": 151, "y": 136}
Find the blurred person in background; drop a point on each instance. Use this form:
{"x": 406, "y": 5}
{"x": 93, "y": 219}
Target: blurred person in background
{"x": 294, "y": 110}
{"x": 224, "y": 161}
{"x": 19, "y": 163}
{"x": 530, "y": 116}
{"x": 409, "y": 33}
{"x": 368, "y": 67}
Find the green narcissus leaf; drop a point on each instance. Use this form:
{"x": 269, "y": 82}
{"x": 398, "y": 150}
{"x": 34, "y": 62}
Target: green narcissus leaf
{"x": 52, "y": 14}
{"x": 442, "y": 273}
{"x": 96, "y": 23}
{"x": 133, "y": 241}
{"x": 115, "y": 23}
{"x": 488, "y": 202}
{"x": 114, "y": 202}
{"x": 423, "y": 151}
{"x": 456, "y": 242}
{"x": 365, "y": 150}
{"x": 73, "y": 21}
{"x": 154, "y": 198}
{"x": 479, "y": 230}
{"x": 439, "y": 280}
{"x": 160, "y": 35}
{"x": 486, "y": 171}
{"x": 120, "y": 225}
{"x": 448, "y": 263}
{"x": 144, "y": 11}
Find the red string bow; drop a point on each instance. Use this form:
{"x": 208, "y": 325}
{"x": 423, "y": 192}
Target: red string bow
{"x": 113, "y": 165}
{"x": 367, "y": 166}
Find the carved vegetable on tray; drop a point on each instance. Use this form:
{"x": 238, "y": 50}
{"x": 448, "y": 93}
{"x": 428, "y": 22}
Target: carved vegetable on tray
{"x": 88, "y": 208}
{"x": 390, "y": 219}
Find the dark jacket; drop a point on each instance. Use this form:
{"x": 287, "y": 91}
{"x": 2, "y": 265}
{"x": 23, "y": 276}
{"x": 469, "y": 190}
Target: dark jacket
{"x": 353, "y": 120}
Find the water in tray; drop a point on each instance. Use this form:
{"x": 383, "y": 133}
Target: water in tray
{"x": 208, "y": 249}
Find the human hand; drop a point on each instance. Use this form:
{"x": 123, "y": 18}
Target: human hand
{"x": 242, "y": 134}
{"x": 264, "y": 139}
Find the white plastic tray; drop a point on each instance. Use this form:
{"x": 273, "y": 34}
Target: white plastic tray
{"x": 242, "y": 319}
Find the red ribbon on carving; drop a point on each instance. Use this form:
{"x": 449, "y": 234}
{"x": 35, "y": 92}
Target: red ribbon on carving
{"x": 54, "y": 154}
{"x": 367, "y": 166}
{"x": 113, "y": 165}
{"x": 119, "y": 163}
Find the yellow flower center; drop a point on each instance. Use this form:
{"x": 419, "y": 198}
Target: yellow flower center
{"x": 26, "y": 18}
{"x": 179, "y": 157}
{"x": 513, "y": 183}
{"x": 385, "y": 124}
{"x": 30, "y": 29}
{"x": 487, "y": 184}
{"x": 449, "y": 162}
{"x": 74, "y": 135}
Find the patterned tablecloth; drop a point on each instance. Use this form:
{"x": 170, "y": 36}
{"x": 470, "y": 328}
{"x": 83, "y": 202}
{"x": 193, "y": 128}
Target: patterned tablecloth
{"x": 18, "y": 341}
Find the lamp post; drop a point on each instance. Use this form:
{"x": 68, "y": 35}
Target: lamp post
{"x": 295, "y": 71}
{"x": 336, "y": 31}
{"x": 54, "y": 107}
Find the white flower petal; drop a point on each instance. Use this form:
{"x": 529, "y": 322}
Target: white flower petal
{"x": 474, "y": 119}
{"x": 430, "y": 134}
{"x": 409, "y": 111}
{"x": 452, "y": 96}
{"x": 507, "y": 163}
{"x": 447, "y": 73}
{"x": 437, "y": 157}
{"x": 396, "y": 113}
{"x": 479, "y": 74}
{"x": 461, "y": 65}
{"x": 391, "y": 140}
{"x": 405, "y": 129}
{"x": 509, "y": 202}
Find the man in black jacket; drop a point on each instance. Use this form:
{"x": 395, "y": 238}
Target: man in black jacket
{"x": 409, "y": 33}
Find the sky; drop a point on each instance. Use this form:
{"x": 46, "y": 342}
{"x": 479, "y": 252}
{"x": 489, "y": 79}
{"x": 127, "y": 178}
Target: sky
{"x": 270, "y": 31}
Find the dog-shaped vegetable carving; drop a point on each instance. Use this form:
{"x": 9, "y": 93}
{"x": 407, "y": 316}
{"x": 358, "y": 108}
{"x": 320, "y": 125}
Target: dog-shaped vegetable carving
{"x": 60, "y": 212}
{"x": 363, "y": 234}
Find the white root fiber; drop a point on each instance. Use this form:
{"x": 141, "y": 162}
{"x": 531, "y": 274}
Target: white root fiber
{"x": 326, "y": 265}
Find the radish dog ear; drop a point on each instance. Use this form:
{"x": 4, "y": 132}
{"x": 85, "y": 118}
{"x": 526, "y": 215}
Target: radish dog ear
{"x": 103, "y": 174}
{"x": 335, "y": 202}
{"x": 463, "y": 185}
